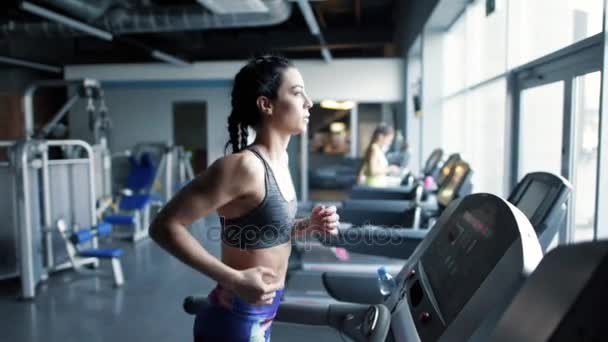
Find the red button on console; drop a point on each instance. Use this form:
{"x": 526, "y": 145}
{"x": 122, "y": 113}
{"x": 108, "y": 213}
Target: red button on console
{"x": 425, "y": 317}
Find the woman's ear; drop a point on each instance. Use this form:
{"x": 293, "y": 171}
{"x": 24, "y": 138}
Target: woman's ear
{"x": 264, "y": 105}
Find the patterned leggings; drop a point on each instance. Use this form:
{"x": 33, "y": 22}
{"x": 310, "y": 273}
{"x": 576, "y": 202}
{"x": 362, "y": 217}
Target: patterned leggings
{"x": 229, "y": 318}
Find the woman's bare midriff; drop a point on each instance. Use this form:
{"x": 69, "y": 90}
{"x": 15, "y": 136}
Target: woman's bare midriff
{"x": 275, "y": 258}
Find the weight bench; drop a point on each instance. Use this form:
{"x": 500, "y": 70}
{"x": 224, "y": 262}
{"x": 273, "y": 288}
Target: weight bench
{"x": 81, "y": 248}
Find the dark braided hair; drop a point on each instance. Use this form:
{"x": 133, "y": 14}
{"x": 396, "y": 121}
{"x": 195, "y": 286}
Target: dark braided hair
{"x": 261, "y": 76}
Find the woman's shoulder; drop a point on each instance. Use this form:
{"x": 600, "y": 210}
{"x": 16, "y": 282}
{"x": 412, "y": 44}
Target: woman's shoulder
{"x": 241, "y": 166}
{"x": 376, "y": 148}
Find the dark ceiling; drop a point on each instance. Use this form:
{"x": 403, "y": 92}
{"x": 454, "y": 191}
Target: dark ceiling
{"x": 350, "y": 28}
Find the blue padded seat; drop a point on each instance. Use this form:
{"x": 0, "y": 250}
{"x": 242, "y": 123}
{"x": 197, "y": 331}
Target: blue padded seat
{"x": 136, "y": 202}
{"x": 121, "y": 219}
{"x": 142, "y": 173}
{"x": 106, "y": 253}
{"x": 84, "y": 235}
{"x": 104, "y": 228}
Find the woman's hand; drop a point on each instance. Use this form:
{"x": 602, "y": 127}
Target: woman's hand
{"x": 394, "y": 170}
{"x": 256, "y": 285}
{"x": 324, "y": 220}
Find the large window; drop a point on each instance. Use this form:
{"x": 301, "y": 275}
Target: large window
{"x": 557, "y": 118}
{"x": 541, "y": 129}
{"x": 473, "y": 121}
{"x": 539, "y": 27}
{"x": 454, "y": 58}
{"x": 487, "y": 136}
{"x": 486, "y": 41}
{"x": 586, "y": 139}
{"x": 473, "y": 124}
{"x": 454, "y": 125}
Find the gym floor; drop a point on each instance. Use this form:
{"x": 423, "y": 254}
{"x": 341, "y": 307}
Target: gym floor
{"x": 74, "y": 307}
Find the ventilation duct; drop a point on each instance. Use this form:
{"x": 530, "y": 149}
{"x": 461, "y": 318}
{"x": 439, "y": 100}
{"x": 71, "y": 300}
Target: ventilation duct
{"x": 88, "y": 10}
{"x": 175, "y": 19}
{"x": 234, "y": 6}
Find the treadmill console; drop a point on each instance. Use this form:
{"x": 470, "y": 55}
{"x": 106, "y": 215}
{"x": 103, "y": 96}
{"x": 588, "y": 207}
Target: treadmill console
{"x": 432, "y": 164}
{"x": 541, "y": 196}
{"x": 446, "y": 169}
{"x": 451, "y": 187}
{"x": 477, "y": 254}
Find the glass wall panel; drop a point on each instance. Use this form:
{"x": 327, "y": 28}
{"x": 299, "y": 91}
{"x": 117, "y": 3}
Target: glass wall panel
{"x": 454, "y": 58}
{"x": 586, "y": 116}
{"x": 486, "y": 137}
{"x": 454, "y": 125}
{"x": 541, "y": 124}
{"x": 486, "y": 37}
{"x": 539, "y": 27}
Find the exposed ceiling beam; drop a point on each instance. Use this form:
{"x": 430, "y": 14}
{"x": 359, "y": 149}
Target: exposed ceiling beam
{"x": 335, "y": 47}
{"x": 287, "y": 41}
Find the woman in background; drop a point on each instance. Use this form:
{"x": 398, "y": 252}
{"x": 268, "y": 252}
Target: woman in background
{"x": 375, "y": 166}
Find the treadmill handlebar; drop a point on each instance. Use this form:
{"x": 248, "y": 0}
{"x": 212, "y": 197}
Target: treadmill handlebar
{"x": 353, "y": 287}
{"x": 363, "y": 323}
{"x": 316, "y": 314}
{"x": 193, "y": 304}
{"x": 376, "y": 240}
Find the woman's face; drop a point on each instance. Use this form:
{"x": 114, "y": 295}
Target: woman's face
{"x": 290, "y": 110}
{"x": 387, "y": 140}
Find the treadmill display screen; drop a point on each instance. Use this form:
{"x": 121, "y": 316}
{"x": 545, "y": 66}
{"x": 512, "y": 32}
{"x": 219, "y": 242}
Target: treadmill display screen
{"x": 467, "y": 249}
{"x": 533, "y": 196}
{"x": 432, "y": 162}
{"x": 477, "y": 224}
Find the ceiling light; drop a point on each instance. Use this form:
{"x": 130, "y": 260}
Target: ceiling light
{"x": 337, "y": 127}
{"x": 67, "y": 21}
{"x": 337, "y": 105}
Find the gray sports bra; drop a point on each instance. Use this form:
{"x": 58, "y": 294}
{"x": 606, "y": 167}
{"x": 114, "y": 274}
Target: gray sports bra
{"x": 267, "y": 225}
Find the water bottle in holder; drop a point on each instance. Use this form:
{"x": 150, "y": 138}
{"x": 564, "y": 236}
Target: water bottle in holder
{"x": 386, "y": 283}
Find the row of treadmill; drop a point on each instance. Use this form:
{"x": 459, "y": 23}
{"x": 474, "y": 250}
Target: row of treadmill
{"x": 473, "y": 265}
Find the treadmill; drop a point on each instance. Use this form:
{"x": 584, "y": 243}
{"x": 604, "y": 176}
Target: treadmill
{"x": 565, "y": 299}
{"x": 405, "y": 191}
{"x": 541, "y": 196}
{"x": 403, "y": 213}
{"x": 481, "y": 242}
{"x": 394, "y": 241}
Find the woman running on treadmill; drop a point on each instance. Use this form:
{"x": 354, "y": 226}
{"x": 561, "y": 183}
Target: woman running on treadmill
{"x": 375, "y": 167}
{"x": 252, "y": 191}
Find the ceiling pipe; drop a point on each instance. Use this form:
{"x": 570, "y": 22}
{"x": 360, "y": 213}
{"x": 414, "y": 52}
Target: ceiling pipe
{"x": 31, "y": 65}
{"x": 313, "y": 26}
{"x": 85, "y": 28}
{"x": 67, "y": 21}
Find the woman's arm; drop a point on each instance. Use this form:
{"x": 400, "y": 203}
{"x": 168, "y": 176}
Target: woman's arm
{"x": 378, "y": 165}
{"x": 227, "y": 179}
{"x": 322, "y": 220}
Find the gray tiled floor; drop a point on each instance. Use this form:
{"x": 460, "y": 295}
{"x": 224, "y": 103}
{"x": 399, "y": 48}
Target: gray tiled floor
{"x": 72, "y": 307}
